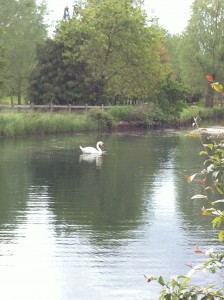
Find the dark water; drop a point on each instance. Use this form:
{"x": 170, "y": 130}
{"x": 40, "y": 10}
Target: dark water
{"x": 77, "y": 229}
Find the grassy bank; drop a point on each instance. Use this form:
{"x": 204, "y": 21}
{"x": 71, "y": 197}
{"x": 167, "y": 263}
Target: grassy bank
{"x": 35, "y": 123}
{"x": 14, "y": 123}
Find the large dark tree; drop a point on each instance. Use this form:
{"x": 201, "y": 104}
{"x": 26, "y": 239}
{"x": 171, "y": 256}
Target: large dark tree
{"x": 53, "y": 81}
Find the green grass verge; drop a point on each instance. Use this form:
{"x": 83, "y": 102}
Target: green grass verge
{"x": 30, "y": 123}
{"x": 13, "y": 123}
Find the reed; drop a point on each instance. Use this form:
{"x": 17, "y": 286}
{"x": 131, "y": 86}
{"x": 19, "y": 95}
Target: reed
{"x": 36, "y": 123}
{"x": 13, "y": 123}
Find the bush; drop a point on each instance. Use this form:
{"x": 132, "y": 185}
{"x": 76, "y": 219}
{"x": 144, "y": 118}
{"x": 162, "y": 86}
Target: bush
{"x": 121, "y": 113}
{"x": 102, "y": 118}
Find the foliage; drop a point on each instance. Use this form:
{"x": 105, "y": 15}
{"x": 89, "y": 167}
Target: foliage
{"x": 121, "y": 52}
{"x": 53, "y": 81}
{"x": 102, "y": 118}
{"x": 170, "y": 99}
{"x": 142, "y": 113}
{"x": 211, "y": 179}
{"x": 22, "y": 25}
{"x": 172, "y": 43}
{"x": 201, "y": 48}
{"x": 14, "y": 124}
{"x": 191, "y": 112}
{"x": 121, "y": 113}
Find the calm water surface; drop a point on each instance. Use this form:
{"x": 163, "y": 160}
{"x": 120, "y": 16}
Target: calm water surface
{"x": 76, "y": 228}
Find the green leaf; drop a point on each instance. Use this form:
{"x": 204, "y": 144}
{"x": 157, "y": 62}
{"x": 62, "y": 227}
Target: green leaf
{"x": 168, "y": 297}
{"x": 219, "y": 189}
{"x": 217, "y": 222}
{"x": 219, "y": 151}
{"x": 216, "y": 158}
{"x": 221, "y": 236}
{"x": 161, "y": 281}
{"x": 210, "y": 146}
{"x": 203, "y": 153}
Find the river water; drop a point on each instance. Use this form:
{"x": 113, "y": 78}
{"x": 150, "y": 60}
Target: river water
{"x": 72, "y": 227}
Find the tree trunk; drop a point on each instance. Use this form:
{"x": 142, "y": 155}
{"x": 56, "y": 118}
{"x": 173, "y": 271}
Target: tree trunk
{"x": 99, "y": 91}
{"x": 209, "y": 99}
{"x": 19, "y": 99}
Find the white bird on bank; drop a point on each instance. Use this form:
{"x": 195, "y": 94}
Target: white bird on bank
{"x": 92, "y": 150}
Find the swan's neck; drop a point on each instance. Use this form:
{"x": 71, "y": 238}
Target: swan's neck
{"x": 98, "y": 148}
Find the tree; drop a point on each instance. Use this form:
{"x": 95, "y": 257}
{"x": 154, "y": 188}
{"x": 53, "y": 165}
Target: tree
{"x": 23, "y": 26}
{"x": 202, "y": 46}
{"x": 121, "y": 52}
{"x": 53, "y": 81}
{"x": 169, "y": 98}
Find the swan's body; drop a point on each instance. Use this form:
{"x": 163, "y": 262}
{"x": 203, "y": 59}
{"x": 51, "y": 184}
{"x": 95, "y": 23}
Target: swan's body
{"x": 92, "y": 150}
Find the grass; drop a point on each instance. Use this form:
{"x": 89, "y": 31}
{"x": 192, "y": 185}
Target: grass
{"x": 36, "y": 123}
{"x": 13, "y": 123}
{"x": 7, "y": 100}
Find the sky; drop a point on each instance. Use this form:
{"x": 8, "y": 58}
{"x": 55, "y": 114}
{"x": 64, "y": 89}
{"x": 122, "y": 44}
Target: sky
{"x": 173, "y": 14}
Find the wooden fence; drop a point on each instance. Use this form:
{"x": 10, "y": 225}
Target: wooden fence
{"x": 52, "y": 108}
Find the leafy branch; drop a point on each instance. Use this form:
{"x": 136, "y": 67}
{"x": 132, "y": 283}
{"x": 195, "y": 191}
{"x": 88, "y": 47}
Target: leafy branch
{"x": 211, "y": 179}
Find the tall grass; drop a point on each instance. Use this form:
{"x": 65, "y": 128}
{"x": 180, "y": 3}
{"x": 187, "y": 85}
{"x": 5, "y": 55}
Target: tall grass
{"x": 13, "y": 123}
{"x": 35, "y": 123}
{"x": 204, "y": 113}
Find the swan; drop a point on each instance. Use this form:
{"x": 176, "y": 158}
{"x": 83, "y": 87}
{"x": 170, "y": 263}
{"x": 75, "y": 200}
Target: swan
{"x": 92, "y": 150}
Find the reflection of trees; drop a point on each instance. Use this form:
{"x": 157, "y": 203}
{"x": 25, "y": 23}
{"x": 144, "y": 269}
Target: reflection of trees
{"x": 110, "y": 197}
{"x": 116, "y": 195}
{"x": 84, "y": 193}
{"x": 15, "y": 179}
{"x": 189, "y": 162}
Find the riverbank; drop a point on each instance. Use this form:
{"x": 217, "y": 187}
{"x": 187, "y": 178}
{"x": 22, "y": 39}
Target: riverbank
{"x": 16, "y": 123}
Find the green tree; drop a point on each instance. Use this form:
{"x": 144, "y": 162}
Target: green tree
{"x": 6, "y": 15}
{"x": 54, "y": 81}
{"x": 172, "y": 45}
{"x": 202, "y": 48}
{"x": 121, "y": 52}
{"x": 23, "y": 26}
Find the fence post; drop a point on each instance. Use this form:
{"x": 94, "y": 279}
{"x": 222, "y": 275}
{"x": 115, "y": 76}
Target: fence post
{"x": 69, "y": 108}
{"x": 12, "y": 102}
{"x": 86, "y": 108}
{"x": 51, "y": 108}
{"x": 102, "y": 106}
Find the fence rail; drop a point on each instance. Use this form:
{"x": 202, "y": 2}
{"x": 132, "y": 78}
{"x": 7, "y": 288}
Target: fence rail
{"x": 52, "y": 107}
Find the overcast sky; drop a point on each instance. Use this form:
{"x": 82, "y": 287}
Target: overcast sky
{"x": 173, "y": 14}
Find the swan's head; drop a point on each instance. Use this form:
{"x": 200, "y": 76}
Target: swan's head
{"x": 100, "y": 143}
{"x": 99, "y": 146}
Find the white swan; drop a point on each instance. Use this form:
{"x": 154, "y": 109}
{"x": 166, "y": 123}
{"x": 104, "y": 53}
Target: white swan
{"x": 92, "y": 150}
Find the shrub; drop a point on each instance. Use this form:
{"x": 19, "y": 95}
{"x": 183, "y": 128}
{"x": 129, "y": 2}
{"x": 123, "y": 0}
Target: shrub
{"x": 121, "y": 113}
{"x": 101, "y": 118}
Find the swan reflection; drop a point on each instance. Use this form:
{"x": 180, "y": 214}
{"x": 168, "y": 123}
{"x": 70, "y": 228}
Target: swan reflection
{"x": 91, "y": 158}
